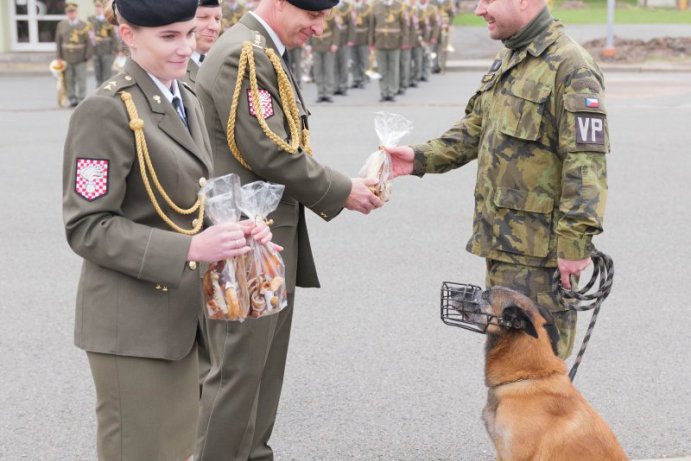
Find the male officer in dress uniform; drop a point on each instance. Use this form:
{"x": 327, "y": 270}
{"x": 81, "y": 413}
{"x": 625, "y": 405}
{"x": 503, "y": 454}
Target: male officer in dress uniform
{"x": 344, "y": 10}
{"x": 538, "y": 128}
{"x": 324, "y": 47}
{"x": 232, "y": 12}
{"x": 387, "y": 33}
{"x": 74, "y": 48}
{"x": 261, "y": 133}
{"x": 105, "y": 42}
{"x": 360, "y": 51}
{"x": 208, "y": 19}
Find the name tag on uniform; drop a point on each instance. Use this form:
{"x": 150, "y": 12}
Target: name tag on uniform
{"x": 590, "y": 129}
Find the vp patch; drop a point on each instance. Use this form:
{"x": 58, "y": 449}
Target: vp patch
{"x": 590, "y": 129}
{"x": 266, "y": 103}
{"x": 91, "y": 181}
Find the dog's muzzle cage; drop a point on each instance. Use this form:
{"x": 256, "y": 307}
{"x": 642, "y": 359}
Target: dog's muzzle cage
{"x": 460, "y": 307}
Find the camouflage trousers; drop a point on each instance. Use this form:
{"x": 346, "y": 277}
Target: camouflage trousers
{"x": 536, "y": 283}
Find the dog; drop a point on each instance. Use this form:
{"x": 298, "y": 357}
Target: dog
{"x": 533, "y": 411}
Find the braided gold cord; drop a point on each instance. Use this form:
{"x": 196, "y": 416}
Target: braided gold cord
{"x": 147, "y": 168}
{"x": 298, "y": 139}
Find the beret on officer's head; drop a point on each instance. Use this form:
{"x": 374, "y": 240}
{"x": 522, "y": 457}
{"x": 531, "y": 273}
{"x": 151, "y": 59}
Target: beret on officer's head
{"x": 209, "y": 3}
{"x": 71, "y": 6}
{"x": 314, "y": 5}
{"x": 152, "y": 13}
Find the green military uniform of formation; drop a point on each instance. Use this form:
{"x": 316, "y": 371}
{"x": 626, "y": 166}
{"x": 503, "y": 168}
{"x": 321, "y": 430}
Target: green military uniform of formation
{"x": 106, "y": 45}
{"x": 74, "y": 47}
{"x": 537, "y": 127}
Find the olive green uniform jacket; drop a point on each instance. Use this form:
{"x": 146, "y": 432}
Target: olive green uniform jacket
{"x": 105, "y": 38}
{"x": 307, "y": 182}
{"x": 388, "y": 28}
{"x": 73, "y": 42}
{"x": 538, "y": 129}
{"x": 137, "y": 295}
{"x": 331, "y": 35}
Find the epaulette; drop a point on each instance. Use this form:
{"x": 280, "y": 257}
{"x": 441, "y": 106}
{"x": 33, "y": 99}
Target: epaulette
{"x": 116, "y": 83}
{"x": 187, "y": 85}
{"x": 258, "y": 40}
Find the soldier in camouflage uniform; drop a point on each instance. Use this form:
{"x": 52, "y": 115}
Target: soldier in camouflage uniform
{"x": 360, "y": 51}
{"x": 75, "y": 49}
{"x": 388, "y": 32}
{"x": 106, "y": 44}
{"x": 538, "y": 128}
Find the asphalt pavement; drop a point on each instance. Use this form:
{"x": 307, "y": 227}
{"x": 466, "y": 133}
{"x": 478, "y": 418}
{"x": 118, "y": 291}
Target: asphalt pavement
{"x": 373, "y": 374}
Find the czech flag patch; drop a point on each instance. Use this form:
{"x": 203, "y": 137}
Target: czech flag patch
{"x": 592, "y": 103}
{"x": 91, "y": 181}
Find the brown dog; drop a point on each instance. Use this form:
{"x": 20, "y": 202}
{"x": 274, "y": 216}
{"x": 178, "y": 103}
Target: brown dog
{"x": 533, "y": 411}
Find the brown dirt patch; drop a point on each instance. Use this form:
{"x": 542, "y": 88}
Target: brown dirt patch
{"x": 635, "y": 51}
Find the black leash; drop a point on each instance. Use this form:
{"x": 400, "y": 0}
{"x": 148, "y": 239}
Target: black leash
{"x": 603, "y": 271}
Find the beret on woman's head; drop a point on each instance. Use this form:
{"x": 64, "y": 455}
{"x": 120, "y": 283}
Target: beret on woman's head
{"x": 155, "y": 13}
{"x": 209, "y": 3}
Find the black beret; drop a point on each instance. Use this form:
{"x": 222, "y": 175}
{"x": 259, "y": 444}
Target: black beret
{"x": 152, "y": 13}
{"x": 314, "y": 5}
{"x": 209, "y": 3}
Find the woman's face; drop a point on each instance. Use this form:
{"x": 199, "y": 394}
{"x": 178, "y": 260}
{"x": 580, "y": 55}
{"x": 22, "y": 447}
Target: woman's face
{"x": 161, "y": 51}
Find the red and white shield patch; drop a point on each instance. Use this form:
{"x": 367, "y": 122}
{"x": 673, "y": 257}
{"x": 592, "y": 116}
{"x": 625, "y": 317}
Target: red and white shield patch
{"x": 91, "y": 180}
{"x": 265, "y": 102}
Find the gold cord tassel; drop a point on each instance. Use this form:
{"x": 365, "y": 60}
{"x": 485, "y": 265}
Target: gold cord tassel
{"x": 299, "y": 139}
{"x": 147, "y": 169}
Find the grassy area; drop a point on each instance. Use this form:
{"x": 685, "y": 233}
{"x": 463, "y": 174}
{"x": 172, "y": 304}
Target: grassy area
{"x": 596, "y": 13}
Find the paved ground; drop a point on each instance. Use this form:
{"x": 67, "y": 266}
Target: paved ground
{"x": 373, "y": 374}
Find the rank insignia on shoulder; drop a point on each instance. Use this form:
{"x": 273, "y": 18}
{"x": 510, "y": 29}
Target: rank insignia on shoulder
{"x": 266, "y": 103}
{"x": 91, "y": 178}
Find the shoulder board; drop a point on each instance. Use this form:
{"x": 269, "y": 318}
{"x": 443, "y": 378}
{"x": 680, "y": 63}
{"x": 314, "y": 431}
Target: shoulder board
{"x": 187, "y": 85}
{"x": 116, "y": 83}
{"x": 258, "y": 40}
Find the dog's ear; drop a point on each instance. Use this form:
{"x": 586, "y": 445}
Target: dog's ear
{"x": 519, "y": 319}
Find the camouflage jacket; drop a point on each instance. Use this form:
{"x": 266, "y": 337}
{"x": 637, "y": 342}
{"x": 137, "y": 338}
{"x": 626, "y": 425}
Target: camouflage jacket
{"x": 538, "y": 128}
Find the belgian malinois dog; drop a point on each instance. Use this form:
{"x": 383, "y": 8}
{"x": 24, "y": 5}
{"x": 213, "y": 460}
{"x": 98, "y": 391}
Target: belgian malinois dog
{"x": 533, "y": 411}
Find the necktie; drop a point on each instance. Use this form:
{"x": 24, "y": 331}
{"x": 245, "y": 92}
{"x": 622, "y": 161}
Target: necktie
{"x": 286, "y": 59}
{"x": 179, "y": 108}
{"x": 201, "y": 58}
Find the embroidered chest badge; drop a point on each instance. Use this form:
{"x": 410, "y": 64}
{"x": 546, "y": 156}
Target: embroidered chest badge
{"x": 266, "y": 103}
{"x": 91, "y": 181}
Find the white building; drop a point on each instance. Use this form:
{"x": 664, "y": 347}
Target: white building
{"x": 29, "y": 25}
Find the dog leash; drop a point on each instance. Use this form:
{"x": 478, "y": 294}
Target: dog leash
{"x": 603, "y": 271}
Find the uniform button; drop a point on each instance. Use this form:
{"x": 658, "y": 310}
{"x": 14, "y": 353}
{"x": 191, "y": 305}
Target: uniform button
{"x": 192, "y": 265}
{"x": 202, "y": 181}
{"x": 128, "y": 78}
{"x": 195, "y": 221}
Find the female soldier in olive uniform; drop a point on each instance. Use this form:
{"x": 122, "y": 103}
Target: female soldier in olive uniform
{"x": 131, "y": 211}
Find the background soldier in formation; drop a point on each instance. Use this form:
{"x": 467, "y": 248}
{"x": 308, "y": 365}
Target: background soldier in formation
{"x": 360, "y": 50}
{"x": 324, "y": 49}
{"x": 387, "y": 34}
{"x": 537, "y": 126}
{"x": 232, "y": 12}
{"x": 346, "y": 22}
{"x": 430, "y": 22}
{"x": 446, "y": 13}
{"x": 75, "y": 49}
{"x": 105, "y": 42}
{"x": 407, "y": 44}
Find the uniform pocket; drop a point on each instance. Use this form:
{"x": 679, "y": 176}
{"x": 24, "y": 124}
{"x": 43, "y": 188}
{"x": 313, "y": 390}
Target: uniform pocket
{"x": 522, "y": 222}
{"x": 523, "y": 110}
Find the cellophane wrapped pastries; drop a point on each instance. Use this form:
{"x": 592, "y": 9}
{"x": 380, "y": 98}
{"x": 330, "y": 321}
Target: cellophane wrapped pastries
{"x": 265, "y": 270}
{"x": 225, "y": 287}
{"x": 390, "y": 129}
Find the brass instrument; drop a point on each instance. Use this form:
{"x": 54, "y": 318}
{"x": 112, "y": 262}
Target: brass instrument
{"x": 372, "y": 63}
{"x": 57, "y": 67}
